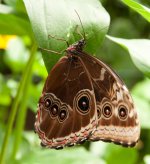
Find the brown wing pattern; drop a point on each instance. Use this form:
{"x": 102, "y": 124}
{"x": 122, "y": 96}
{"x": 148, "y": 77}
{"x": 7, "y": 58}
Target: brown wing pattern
{"x": 117, "y": 116}
{"x": 67, "y": 109}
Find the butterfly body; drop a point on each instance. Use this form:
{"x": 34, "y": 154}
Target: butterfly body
{"x": 83, "y": 99}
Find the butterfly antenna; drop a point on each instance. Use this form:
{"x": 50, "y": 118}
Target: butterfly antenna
{"x": 81, "y": 26}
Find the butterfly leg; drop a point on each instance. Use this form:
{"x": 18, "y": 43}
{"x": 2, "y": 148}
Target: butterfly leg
{"x": 51, "y": 51}
{"x": 61, "y": 39}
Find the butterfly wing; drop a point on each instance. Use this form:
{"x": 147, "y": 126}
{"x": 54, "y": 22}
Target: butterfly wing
{"x": 117, "y": 116}
{"x": 67, "y": 109}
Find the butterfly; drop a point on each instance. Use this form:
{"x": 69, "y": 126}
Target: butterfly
{"x": 84, "y": 99}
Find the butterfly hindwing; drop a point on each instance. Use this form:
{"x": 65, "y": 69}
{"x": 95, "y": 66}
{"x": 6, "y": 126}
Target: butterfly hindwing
{"x": 67, "y": 108}
{"x": 117, "y": 116}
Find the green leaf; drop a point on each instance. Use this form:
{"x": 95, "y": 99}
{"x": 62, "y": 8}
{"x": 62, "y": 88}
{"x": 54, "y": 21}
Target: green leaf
{"x": 147, "y": 159}
{"x": 139, "y": 51}
{"x": 143, "y": 109}
{"x": 142, "y": 10}
{"x": 40, "y": 74}
{"x": 60, "y": 20}
{"x": 35, "y": 93}
{"x": 17, "y": 6}
{"x": 17, "y": 59}
{"x": 5, "y": 9}
{"x": 5, "y": 98}
{"x": 142, "y": 89}
{"x": 38, "y": 67}
{"x": 10, "y": 2}
{"x": 70, "y": 156}
{"x": 23, "y": 87}
{"x": 141, "y": 96}
{"x": 114, "y": 154}
{"x": 11, "y": 24}
{"x": 20, "y": 7}
{"x": 74, "y": 155}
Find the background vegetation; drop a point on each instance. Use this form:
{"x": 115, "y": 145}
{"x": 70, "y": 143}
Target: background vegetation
{"x": 23, "y": 73}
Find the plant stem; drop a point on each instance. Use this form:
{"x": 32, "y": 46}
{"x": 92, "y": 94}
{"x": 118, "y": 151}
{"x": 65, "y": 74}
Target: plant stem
{"x": 23, "y": 105}
{"x": 15, "y": 106}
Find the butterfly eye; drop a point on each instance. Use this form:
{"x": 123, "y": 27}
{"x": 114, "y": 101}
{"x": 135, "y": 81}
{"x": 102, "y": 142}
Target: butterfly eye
{"x": 83, "y": 103}
{"x": 123, "y": 112}
{"x": 62, "y": 115}
{"x": 47, "y": 103}
{"x": 54, "y": 110}
{"x": 107, "y": 111}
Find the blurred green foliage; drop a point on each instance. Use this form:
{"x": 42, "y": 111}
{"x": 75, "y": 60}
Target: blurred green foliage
{"x": 21, "y": 72}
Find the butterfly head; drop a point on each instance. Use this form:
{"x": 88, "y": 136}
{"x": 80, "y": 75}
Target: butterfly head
{"x": 76, "y": 47}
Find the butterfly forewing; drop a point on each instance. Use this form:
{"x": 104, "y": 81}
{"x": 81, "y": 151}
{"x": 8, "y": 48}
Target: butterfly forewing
{"x": 67, "y": 110}
{"x": 117, "y": 116}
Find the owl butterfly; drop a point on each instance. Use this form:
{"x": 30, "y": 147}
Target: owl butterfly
{"x": 84, "y": 99}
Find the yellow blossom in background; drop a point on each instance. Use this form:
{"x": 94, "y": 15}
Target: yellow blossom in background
{"x": 4, "y": 39}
